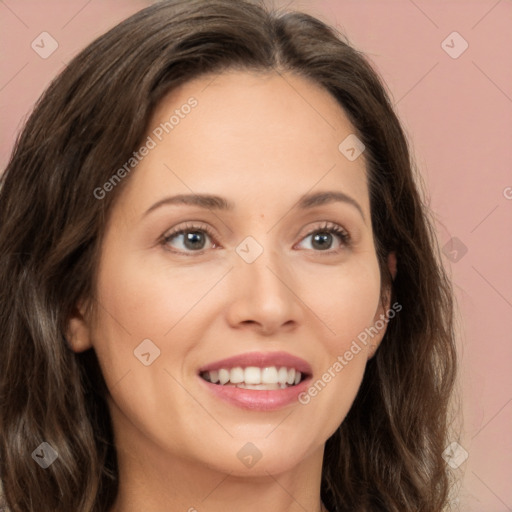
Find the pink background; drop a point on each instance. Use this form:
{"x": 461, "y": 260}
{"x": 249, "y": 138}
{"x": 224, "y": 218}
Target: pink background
{"x": 457, "y": 113}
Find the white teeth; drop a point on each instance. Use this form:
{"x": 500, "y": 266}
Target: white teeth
{"x": 282, "y": 374}
{"x": 262, "y": 387}
{"x": 253, "y": 377}
{"x": 223, "y": 376}
{"x": 236, "y": 375}
{"x": 269, "y": 375}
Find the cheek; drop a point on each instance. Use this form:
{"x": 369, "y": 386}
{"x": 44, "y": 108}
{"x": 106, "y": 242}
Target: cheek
{"x": 347, "y": 306}
{"x": 140, "y": 299}
{"x": 138, "y": 302}
{"x": 346, "y": 301}
{"x": 148, "y": 300}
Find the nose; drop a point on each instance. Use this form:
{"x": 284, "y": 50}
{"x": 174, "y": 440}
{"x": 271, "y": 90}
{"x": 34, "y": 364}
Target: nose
{"x": 264, "y": 295}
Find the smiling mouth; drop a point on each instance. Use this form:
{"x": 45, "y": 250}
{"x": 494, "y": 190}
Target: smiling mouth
{"x": 253, "y": 377}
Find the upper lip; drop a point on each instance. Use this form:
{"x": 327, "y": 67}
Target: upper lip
{"x": 260, "y": 360}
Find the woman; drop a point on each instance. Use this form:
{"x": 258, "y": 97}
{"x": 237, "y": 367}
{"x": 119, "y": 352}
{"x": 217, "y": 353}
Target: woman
{"x": 220, "y": 289}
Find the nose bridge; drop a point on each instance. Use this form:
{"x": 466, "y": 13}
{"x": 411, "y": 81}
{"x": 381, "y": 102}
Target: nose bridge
{"x": 261, "y": 262}
{"x": 263, "y": 282}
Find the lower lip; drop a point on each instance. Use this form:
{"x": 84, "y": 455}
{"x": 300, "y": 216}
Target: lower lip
{"x": 256, "y": 399}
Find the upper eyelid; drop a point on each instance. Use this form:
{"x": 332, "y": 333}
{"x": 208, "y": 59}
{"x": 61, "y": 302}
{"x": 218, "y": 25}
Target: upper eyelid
{"x": 189, "y": 227}
{"x": 204, "y": 227}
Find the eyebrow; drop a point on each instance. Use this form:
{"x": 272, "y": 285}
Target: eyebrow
{"x": 213, "y": 202}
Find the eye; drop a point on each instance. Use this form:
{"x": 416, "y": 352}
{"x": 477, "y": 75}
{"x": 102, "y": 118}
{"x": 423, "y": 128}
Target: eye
{"x": 193, "y": 238}
{"x": 323, "y": 237}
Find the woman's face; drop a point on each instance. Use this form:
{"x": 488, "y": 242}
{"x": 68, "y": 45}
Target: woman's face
{"x": 265, "y": 281}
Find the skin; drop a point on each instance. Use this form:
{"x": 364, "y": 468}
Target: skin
{"x": 261, "y": 141}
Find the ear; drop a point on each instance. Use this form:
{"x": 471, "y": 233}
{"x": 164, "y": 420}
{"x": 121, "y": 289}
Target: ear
{"x": 381, "y": 319}
{"x": 78, "y": 329}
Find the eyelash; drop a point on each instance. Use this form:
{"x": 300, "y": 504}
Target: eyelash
{"x": 342, "y": 234}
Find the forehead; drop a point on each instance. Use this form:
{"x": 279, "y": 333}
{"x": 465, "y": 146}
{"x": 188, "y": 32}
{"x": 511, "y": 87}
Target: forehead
{"x": 251, "y": 134}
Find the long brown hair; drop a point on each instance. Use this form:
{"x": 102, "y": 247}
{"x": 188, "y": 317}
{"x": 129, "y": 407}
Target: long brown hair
{"x": 387, "y": 453}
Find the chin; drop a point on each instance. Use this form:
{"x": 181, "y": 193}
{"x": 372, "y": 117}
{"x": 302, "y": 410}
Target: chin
{"x": 261, "y": 457}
